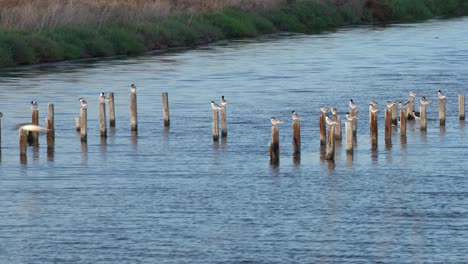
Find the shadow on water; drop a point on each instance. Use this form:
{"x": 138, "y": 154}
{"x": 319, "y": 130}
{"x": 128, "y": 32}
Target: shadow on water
{"x": 375, "y": 154}
{"x": 35, "y": 150}
{"x": 50, "y": 153}
{"x": 423, "y": 135}
{"x": 23, "y": 160}
{"x": 275, "y": 168}
{"x": 296, "y": 159}
{"x": 84, "y": 151}
{"x": 134, "y": 140}
{"x": 103, "y": 146}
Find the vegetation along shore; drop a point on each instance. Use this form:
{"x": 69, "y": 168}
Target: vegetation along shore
{"x": 38, "y": 31}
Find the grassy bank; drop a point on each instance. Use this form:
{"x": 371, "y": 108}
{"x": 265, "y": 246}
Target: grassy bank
{"x": 198, "y": 24}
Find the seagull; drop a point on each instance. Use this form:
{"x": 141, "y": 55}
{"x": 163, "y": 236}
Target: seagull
{"x": 423, "y": 101}
{"x": 275, "y": 121}
{"x": 102, "y": 98}
{"x": 133, "y": 88}
{"x": 352, "y": 105}
{"x": 404, "y": 104}
{"x": 324, "y": 109}
{"x": 84, "y": 104}
{"x": 412, "y": 94}
{"x": 349, "y": 117}
{"x": 295, "y": 116}
{"x": 333, "y": 111}
{"x": 373, "y": 102}
{"x": 34, "y": 105}
{"x": 223, "y": 101}
{"x": 390, "y": 104}
{"x": 441, "y": 95}
{"x": 329, "y": 121}
{"x": 215, "y": 106}
{"x": 31, "y": 127}
{"x": 417, "y": 115}
{"x": 373, "y": 109}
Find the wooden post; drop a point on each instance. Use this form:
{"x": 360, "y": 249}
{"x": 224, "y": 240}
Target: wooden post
{"x": 388, "y": 126}
{"x": 330, "y": 155}
{"x": 33, "y": 137}
{"x": 102, "y": 119}
{"x": 354, "y": 113}
{"x": 338, "y": 134}
{"x": 442, "y": 112}
{"x": 50, "y": 127}
{"x": 78, "y": 123}
{"x": 165, "y": 103}
{"x": 274, "y": 146}
{"x": 215, "y": 126}
{"x": 403, "y": 116}
{"x": 84, "y": 124}
{"x": 461, "y": 106}
{"x": 223, "y": 122}
{"x": 323, "y": 129}
{"x": 111, "y": 110}
{"x": 133, "y": 112}
{"x": 296, "y": 137}
{"x": 374, "y": 130}
{"x": 423, "y": 122}
{"x": 394, "y": 112}
{"x": 410, "y": 109}
{"x": 349, "y": 137}
{"x": 23, "y": 141}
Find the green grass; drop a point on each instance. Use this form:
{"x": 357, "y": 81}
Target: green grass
{"x": 22, "y": 47}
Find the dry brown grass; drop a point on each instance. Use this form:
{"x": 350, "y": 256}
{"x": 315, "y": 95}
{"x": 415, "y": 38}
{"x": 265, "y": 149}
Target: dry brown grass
{"x": 49, "y": 14}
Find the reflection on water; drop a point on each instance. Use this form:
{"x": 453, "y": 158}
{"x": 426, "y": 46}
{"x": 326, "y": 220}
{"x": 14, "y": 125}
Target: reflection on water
{"x": 172, "y": 195}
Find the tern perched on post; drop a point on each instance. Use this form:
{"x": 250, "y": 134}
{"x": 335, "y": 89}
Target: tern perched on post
{"x": 275, "y": 121}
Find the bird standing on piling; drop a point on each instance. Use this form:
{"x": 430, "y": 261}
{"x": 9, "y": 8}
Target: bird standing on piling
{"x": 324, "y": 109}
{"x": 441, "y": 95}
{"x": 295, "y": 116}
{"x": 215, "y": 106}
{"x": 423, "y": 101}
{"x": 102, "y": 98}
{"x": 373, "y": 109}
{"x": 403, "y": 105}
{"x": 34, "y": 105}
{"x": 223, "y": 101}
{"x": 412, "y": 94}
{"x": 333, "y": 111}
{"x": 373, "y": 102}
{"x": 275, "y": 121}
{"x": 84, "y": 104}
{"x": 417, "y": 115}
{"x": 329, "y": 121}
{"x": 352, "y": 105}
{"x": 349, "y": 117}
{"x": 390, "y": 104}
{"x": 133, "y": 88}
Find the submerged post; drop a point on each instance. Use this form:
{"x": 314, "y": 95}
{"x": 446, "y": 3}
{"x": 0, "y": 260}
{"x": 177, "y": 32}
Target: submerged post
{"x": 165, "y": 104}
{"x": 461, "y": 106}
{"x": 274, "y": 146}
{"x": 50, "y": 127}
{"x": 84, "y": 124}
{"x": 403, "y": 116}
{"x": 423, "y": 122}
{"x": 442, "y": 112}
{"x": 296, "y": 138}
{"x": 349, "y": 137}
{"x": 330, "y": 154}
{"x": 111, "y": 110}
{"x": 102, "y": 119}
{"x": 323, "y": 129}
{"x": 23, "y": 141}
{"x": 374, "y": 130}
{"x": 215, "y": 129}
{"x": 388, "y": 125}
{"x": 133, "y": 112}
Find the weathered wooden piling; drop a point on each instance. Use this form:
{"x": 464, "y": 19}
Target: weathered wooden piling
{"x": 338, "y": 133}
{"x": 133, "y": 112}
{"x": 23, "y": 141}
{"x": 1, "y": 116}
{"x": 323, "y": 129}
{"x": 374, "y": 130}
{"x": 102, "y": 119}
{"x": 84, "y": 124}
{"x": 330, "y": 154}
{"x": 33, "y": 137}
{"x": 461, "y": 107}
{"x": 388, "y": 126}
{"x": 165, "y": 104}
{"x": 78, "y": 123}
{"x": 423, "y": 121}
{"x": 296, "y": 137}
{"x": 442, "y": 112}
{"x": 403, "y": 116}
{"x": 274, "y": 146}
{"x": 349, "y": 137}
{"x": 354, "y": 113}
{"x": 394, "y": 111}
{"x": 111, "y": 110}
{"x": 215, "y": 129}
{"x": 50, "y": 127}
{"x": 223, "y": 122}
{"x": 410, "y": 109}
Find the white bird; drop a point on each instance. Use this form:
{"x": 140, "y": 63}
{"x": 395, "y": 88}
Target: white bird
{"x": 34, "y": 105}
{"x": 215, "y": 106}
{"x": 102, "y": 98}
{"x": 352, "y": 105}
{"x": 329, "y": 121}
{"x": 223, "y": 101}
{"x": 295, "y": 116}
{"x": 133, "y": 88}
{"x": 324, "y": 109}
{"x": 349, "y": 117}
{"x": 423, "y": 101}
{"x": 373, "y": 109}
{"x": 412, "y": 94}
{"x": 417, "y": 115}
{"x": 84, "y": 104}
{"x": 390, "y": 104}
{"x": 441, "y": 95}
{"x": 373, "y": 102}
{"x": 275, "y": 121}
{"x": 31, "y": 127}
{"x": 333, "y": 111}
{"x": 404, "y": 104}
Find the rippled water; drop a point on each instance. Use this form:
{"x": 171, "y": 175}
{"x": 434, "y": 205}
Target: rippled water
{"x": 175, "y": 196}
